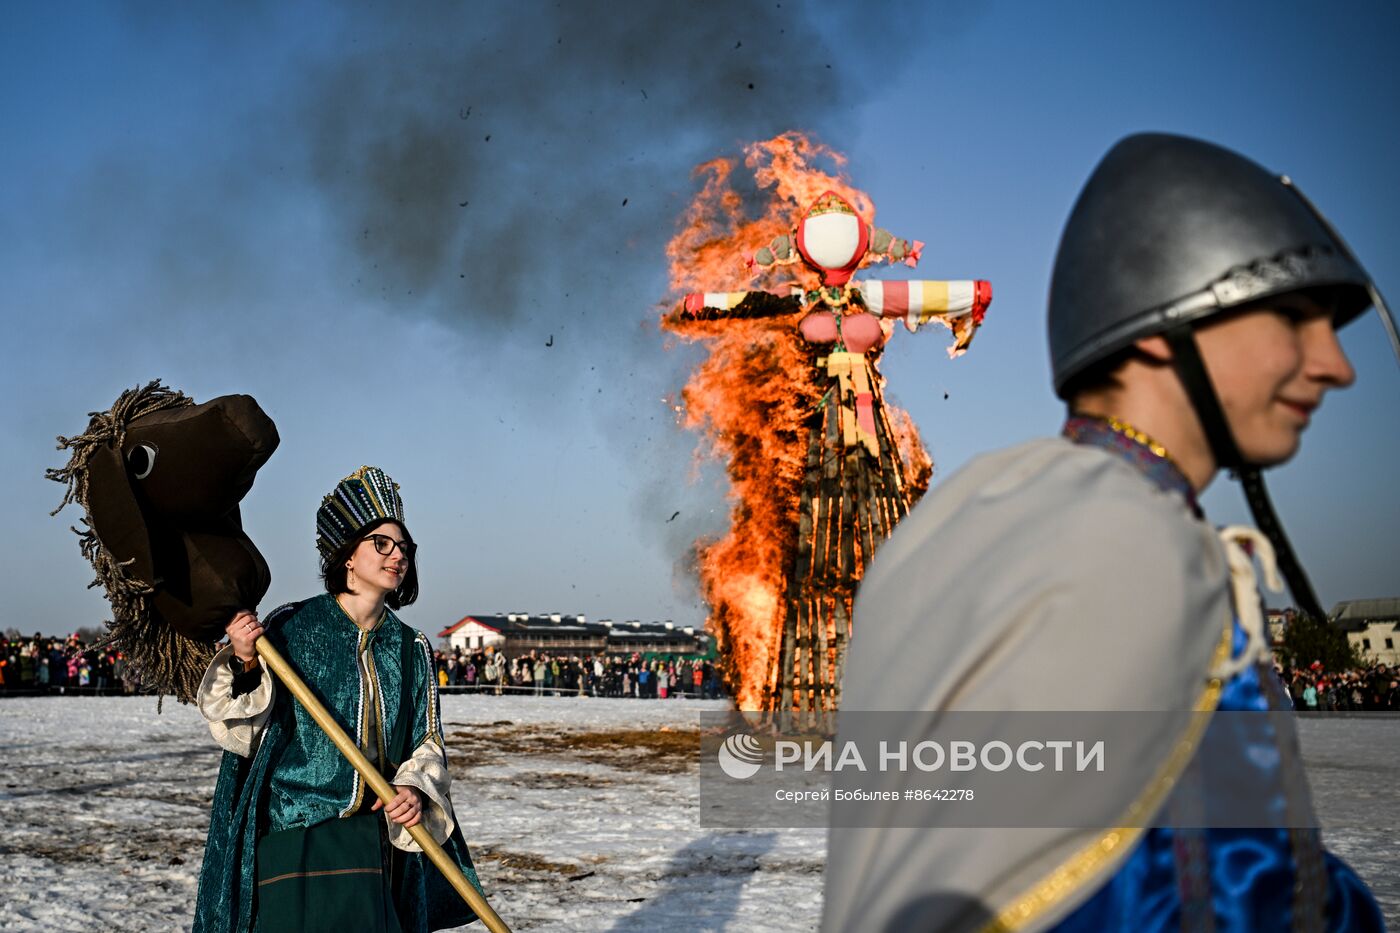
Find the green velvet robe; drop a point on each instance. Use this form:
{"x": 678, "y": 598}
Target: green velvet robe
{"x": 297, "y": 778}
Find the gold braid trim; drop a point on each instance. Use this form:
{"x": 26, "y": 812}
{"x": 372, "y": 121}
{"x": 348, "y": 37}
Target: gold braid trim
{"x": 362, "y": 721}
{"x": 1128, "y": 431}
{"x": 1085, "y": 864}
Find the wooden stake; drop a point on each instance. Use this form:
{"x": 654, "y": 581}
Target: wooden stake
{"x": 843, "y": 641}
{"x": 806, "y": 514}
{"x": 863, "y": 516}
{"x": 826, "y": 493}
{"x": 849, "y": 517}
{"x": 819, "y": 623}
{"x": 809, "y": 648}
{"x": 789, "y": 643}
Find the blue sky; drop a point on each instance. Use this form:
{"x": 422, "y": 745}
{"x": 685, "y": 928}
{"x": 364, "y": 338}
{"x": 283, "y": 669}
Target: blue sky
{"x": 301, "y": 202}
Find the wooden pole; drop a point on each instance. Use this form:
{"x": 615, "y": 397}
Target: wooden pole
{"x": 293, "y": 682}
{"x": 784, "y": 687}
{"x": 804, "y": 645}
{"x": 800, "y": 574}
{"x": 806, "y": 512}
{"x": 824, "y": 693}
{"x": 850, "y": 519}
{"x": 825, "y": 541}
{"x": 864, "y": 519}
{"x": 843, "y": 640}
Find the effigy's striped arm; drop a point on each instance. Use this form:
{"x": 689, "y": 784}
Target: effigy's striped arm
{"x": 958, "y": 305}
{"x": 713, "y": 306}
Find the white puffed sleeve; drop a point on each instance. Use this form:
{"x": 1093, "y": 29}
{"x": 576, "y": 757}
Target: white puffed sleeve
{"x": 426, "y": 768}
{"x": 235, "y": 722}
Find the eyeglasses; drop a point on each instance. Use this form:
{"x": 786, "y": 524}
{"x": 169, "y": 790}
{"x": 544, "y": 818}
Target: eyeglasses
{"x": 384, "y": 546}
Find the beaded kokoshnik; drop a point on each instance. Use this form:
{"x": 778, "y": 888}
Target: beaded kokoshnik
{"x": 365, "y": 496}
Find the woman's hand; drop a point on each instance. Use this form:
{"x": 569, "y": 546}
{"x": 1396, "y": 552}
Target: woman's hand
{"x": 242, "y": 632}
{"x": 406, "y": 808}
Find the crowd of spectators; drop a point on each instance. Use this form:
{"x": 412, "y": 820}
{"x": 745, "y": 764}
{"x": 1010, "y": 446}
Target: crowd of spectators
{"x": 1314, "y": 689}
{"x": 547, "y": 674}
{"x": 51, "y": 664}
{"x": 54, "y": 664}
{"x": 42, "y": 663}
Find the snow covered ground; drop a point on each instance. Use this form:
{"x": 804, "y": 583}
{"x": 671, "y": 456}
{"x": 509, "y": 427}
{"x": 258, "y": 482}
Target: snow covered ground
{"x": 582, "y": 815}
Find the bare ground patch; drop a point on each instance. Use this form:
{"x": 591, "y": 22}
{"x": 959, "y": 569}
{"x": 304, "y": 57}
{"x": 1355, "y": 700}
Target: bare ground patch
{"x": 514, "y": 862}
{"x": 665, "y": 750}
{"x": 662, "y": 750}
{"x": 561, "y": 780}
{"x": 115, "y": 847}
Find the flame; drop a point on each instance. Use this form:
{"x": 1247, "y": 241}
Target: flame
{"x": 918, "y": 465}
{"x": 751, "y": 398}
{"x": 707, "y": 254}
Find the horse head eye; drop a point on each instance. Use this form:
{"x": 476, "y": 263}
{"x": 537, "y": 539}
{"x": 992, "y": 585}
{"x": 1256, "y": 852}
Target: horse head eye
{"x": 142, "y": 460}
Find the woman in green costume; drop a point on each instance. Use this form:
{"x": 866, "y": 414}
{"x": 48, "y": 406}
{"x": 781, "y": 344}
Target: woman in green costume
{"x": 294, "y": 839}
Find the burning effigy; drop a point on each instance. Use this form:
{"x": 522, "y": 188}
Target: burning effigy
{"x": 791, "y": 398}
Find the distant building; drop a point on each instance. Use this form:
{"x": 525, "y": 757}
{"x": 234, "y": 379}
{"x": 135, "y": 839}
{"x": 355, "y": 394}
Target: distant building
{"x": 1372, "y": 625}
{"x": 517, "y": 633}
{"x": 657, "y": 638}
{"x": 1277, "y": 622}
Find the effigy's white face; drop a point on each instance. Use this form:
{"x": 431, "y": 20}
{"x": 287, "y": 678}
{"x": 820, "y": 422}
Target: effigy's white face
{"x": 831, "y": 241}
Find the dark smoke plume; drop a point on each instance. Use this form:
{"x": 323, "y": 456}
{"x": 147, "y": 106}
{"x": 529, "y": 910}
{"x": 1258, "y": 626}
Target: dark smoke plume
{"x": 484, "y": 160}
{"x": 514, "y": 171}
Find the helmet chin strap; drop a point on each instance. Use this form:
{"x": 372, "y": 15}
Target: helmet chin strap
{"x": 1192, "y": 373}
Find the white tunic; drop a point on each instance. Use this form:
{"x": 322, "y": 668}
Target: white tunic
{"x": 1049, "y": 576}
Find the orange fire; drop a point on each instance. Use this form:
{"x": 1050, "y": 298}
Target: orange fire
{"x": 752, "y": 398}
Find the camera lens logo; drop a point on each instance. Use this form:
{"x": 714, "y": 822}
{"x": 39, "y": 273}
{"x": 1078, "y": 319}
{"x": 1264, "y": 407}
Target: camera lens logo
{"x": 740, "y": 756}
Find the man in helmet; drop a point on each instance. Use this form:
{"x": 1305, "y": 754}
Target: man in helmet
{"x": 1193, "y": 318}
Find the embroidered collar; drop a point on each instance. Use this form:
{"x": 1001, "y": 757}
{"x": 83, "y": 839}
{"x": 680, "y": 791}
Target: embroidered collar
{"x": 1149, "y": 457}
{"x": 373, "y": 629}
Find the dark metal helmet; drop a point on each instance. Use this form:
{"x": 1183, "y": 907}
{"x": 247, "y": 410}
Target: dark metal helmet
{"x": 1170, "y": 230}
